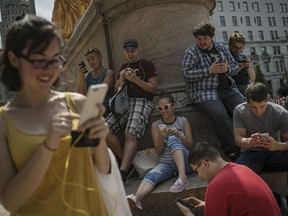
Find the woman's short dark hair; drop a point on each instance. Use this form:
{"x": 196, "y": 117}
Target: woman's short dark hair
{"x": 32, "y": 33}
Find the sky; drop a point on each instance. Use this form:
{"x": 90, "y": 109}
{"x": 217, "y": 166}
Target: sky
{"x": 44, "y": 8}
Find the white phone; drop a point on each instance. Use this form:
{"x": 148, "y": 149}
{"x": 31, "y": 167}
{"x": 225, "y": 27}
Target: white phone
{"x": 96, "y": 94}
{"x": 162, "y": 127}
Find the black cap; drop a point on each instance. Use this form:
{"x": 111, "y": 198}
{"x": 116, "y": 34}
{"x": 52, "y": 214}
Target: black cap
{"x": 130, "y": 43}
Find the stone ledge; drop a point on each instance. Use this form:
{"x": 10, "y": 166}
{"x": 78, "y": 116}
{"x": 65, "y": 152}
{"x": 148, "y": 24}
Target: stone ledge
{"x": 161, "y": 201}
{"x": 277, "y": 181}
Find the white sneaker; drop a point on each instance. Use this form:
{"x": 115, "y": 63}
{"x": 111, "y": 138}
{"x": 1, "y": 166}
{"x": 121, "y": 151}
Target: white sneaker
{"x": 133, "y": 201}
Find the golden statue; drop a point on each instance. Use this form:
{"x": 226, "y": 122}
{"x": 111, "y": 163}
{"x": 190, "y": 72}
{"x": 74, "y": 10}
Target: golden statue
{"x": 67, "y": 12}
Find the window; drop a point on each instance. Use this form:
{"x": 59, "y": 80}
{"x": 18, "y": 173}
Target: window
{"x": 276, "y": 50}
{"x": 284, "y": 21}
{"x": 231, "y": 6}
{"x": 272, "y": 37}
{"x": 266, "y": 66}
{"x": 283, "y": 7}
{"x": 258, "y": 21}
{"x": 277, "y": 65}
{"x": 245, "y": 6}
{"x": 234, "y": 21}
{"x": 256, "y": 6}
{"x": 250, "y": 35}
{"x": 263, "y": 50}
{"x": 271, "y": 21}
{"x": 261, "y": 35}
{"x": 225, "y": 36}
{"x": 286, "y": 34}
{"x": 219, "y": 6}
{"x": 269, "y": 7}
{"x": 248, "y": 23}
{"x": 252, "y": 50}
{"x": 222, "y": 21}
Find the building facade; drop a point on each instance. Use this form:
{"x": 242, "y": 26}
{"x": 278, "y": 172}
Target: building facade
{"x": 265, "y": 26}
{"x": 11, "y": 10}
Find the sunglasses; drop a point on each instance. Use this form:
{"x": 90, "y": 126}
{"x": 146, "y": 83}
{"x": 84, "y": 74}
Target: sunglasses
{"x": 165, "y": 107}
{"x": 93, "y": 50}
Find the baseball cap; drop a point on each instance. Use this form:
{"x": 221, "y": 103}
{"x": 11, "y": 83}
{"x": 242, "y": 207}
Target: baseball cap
{"x": 130, "y": 43}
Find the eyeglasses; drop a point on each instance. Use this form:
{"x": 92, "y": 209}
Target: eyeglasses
{"x": 91, "y": 50}
{"x": 237, "y": 48}
{"x": 197, "y": 167}
{"x": 55, "y": 63}
{"x": 165, "y": 107}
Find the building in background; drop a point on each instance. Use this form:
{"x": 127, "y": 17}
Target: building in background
{"x": 265, "y": 26}
{"x": 10, "y": 10}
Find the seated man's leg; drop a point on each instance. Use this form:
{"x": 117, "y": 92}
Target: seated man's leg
{"x": 222, "y": 123}
{"x": 230, "y": 99}
{"x": 137, "y": 121}
{"x": 252, "y": 159}
{"x": 277, "y": 161}
{"x": 115, "y": 124}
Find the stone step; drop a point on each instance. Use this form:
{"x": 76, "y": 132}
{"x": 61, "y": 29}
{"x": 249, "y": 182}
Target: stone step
{"x": 161, "y": 201}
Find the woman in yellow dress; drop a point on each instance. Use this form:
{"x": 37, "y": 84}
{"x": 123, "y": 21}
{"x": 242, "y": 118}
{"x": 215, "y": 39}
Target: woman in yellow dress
{"x": 42, "y": 173}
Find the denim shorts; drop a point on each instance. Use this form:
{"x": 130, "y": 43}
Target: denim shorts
{"x": 164, "y": 171}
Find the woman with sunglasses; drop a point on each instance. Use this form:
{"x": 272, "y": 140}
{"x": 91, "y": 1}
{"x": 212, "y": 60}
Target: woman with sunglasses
{"x": 42, "y": 173}
{"x": 172, "y": 143}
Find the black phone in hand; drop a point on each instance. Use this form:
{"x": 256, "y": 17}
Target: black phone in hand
{"x": 82, "y": 140}
{"x": 188, "y": 205}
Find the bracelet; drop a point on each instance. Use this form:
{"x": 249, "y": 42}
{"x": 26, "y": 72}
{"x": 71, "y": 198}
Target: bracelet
{"x": 47, "y": 147}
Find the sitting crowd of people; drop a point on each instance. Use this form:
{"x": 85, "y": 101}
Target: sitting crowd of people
{"x": 219, "y": 81}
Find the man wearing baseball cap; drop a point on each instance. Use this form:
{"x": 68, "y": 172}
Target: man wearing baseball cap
{"x": 141, "y": 77}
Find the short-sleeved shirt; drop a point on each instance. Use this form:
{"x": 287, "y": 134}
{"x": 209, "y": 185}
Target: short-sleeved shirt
{"x": 273, "y": 121}
{"x": 236, "y": 191}
{"x": 144, "y": 70}
{"x": 200, "y": 85}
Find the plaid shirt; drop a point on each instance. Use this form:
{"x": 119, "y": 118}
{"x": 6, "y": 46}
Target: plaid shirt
{"x": 200, "y": 85}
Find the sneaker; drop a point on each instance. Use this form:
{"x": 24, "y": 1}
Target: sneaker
{"x": 133, "y": 201}
{"x": 179, "y": 186}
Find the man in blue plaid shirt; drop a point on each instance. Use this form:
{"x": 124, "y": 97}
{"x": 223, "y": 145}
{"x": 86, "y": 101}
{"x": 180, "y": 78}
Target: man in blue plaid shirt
{"x": 207, "y": 68}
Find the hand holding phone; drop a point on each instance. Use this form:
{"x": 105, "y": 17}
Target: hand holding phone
{"x": 83, "y": 67}
{"x": 184, "y": 203}
{"x": 162, "y": 127}
{"x": 95, "y": 96}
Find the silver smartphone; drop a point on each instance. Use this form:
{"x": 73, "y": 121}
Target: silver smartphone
{"x": 95, "y": 95}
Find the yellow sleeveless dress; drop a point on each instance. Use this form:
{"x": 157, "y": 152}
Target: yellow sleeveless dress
{"x": 76, "y": 194}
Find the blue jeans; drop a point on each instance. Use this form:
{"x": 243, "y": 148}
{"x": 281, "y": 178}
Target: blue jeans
{"x": 271, "y": 161}
{"x": 220, "y": 113}
{"x": 174, "y": 143}
{"x": 165, "y": 171}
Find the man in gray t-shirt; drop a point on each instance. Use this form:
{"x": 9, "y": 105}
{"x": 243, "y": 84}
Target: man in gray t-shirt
{"x": 261, "y": 130}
